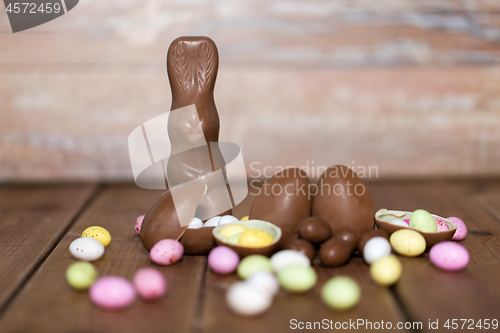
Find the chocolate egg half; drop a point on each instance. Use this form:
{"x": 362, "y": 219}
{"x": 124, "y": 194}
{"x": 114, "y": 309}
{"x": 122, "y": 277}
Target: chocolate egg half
{"x": 284, "y": 200}
{"x": 343, "y": 200}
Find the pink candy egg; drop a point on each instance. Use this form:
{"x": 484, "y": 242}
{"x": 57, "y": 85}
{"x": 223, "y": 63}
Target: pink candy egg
{"x": 441, "y": 224}
{"x": 407, "y": 221}
{"x": 449, "y": 256}
{"x": 461, "y": 228}
{"x": 222, "y": 260}
{"x": 138, "y": 224}
{"x": 166, "y": 252}
{"x": 150, "y": 284}
{"x": 112, "y": 292}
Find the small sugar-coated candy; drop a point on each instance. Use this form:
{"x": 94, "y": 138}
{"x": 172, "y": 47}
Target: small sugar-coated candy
{"x": 81, "y": 275}
{"x": 264, "y": 281}
{"x": 245, "y": 218}
{"x": 408, "y": 242}
{"x": 449, "y": 256}
{"x": 196, "y": 223}
{"x": 166, "y": 252}
{"x": 212, "y": 222}
{"x": 86, "y": 249}
{"x": 297, "y": 278}
{"x": 376, "y": 248}
{"x": 461, "y": 231}
{"x": 285, "y": 258}
{"x": 150, "y": 284}
{"x": 423, "y": 221}
{"x": 253, "y": 264}
{"x": 441, "y": 224}
{"x": 138, "y": 224}
{"x": 223, "y": 260}
{"x": 227, "y": 219}
{"x": 255, "y": 238}
{"x": 341, "y": 293}
{"x": 246, "y": 300}
{"x": 99, "y": 233}
{"x": 233, "y": 229}
{"x": 112, "y": 292}
{"x": 386, "y": 271}
{"x": 399, "y": 222}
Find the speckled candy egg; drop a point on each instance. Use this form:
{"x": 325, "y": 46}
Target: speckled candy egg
{"x": 150, "y": 284}
{"x": 166, "y": 252}
{"x": 99, "y": 233}
{"x": 138, "y": 224}
{"x": 112, "y": 292}
{"x": 81, "y": 275}
{"x": 449, "y": 256}
{"x": 386, "y": 271}
{"x": 441, "y": 224}
{"x": 423, "y": 221}
{"x": 247, "y": 300}
{"x": 86, "y": 249}
{"x": 222, "y": 260}
{"x": 461, "y": 231}
{"x": 408, "y": 242}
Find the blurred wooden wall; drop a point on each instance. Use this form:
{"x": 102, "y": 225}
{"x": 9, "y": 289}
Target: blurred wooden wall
{"x": 411, "y": 87}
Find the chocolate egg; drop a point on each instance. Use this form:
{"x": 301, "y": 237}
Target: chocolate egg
{"x": 284, "y": 200}
{"x": 168, "y": 220}
{"x": 343, "y": 200}
{"x": 365, "y": 237}
{"x": 315, "y": 229}
{"x": 198, "y": 241}
{"x": 348, "y": 236}
{"x": 335, "y": 252}
{"x": 301, "y": 245}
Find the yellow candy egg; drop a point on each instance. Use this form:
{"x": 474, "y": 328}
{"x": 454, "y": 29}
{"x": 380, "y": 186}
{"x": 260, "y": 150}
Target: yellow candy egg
{"x": 233, "y": 229}
{"x": 408, "y": 242}
{"x": 386, "y": 270}
{"x": 99, "y": 233}
{"x": 244, "y": 218}
{"x": 255, "y": 238}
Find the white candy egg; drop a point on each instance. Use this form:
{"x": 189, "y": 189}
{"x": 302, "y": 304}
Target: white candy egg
{"x": 285, "y": 258}
{"x": 399, "y": 222}
{"x": 212, "y": 222}
{"x": 227, "y": 219}
{"x": 264, "y": 281}
{"x": 376, "y": 248}
{"x": 86, "y": 249}
{"x": 247, "y": 300}
{"x": 196, "y": 223}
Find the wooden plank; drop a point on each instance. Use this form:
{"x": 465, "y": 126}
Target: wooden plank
{"x": 47, "y": 303}
{"x": 488, "y": 193}
{"x": 428, "y": 293}
{"x": 32, "y": 220}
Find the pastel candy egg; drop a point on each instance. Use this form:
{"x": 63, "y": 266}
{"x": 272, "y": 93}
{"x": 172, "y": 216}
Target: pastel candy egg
{"x": 81, "y": 275}
{"x": 408, "y": 242}
{"x": 297, "y": 278}
{"x": 449, "y": 256}
{"x": 234, "y": 239}
{"x": 423, "y": 221}
{"x": 196, "y": 223}
{"x": 212, "y": 222}
{"x": 150, "y": 284}
{"x": 399, "y": 222}
{"x": 376, "y": 248}
{"x": 341, "y": 293}
{"x": 166, "y": 252}
{"x": 245, "y": 218}
{"x": 386, "y": 271}
{"x": 441, "y": 224}
{"x": 222, "y": 260}
{"x": 255, "y": 238}
{"x": 264, "y": 281}
{"x": 86, "y": 249}
{"x": 138, "y": 224}
{"x": 233, "y": 229}
{"x": 99, "y": 233}
{"x": 227, "y": 219}
{"x": 461, "y": 231}
{"x": 407, "y": 221}
{"x": 246, "y": 300}
{"x": 252, "y": 264}
{"x": 112, "y": 292}
{"x": 285, "y": 258}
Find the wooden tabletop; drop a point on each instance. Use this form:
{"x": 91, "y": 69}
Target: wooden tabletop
{"x": 38, "y": 222}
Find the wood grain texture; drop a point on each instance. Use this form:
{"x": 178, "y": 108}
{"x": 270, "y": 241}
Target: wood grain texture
{"x": 48, "y": 304}
{"x": 428, "y": 293}
{"x": 32, "y": 220}
{"x": 322, "y": 81}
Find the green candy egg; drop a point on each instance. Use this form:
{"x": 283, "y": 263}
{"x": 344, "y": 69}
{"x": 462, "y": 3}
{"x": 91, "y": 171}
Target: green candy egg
{"x": 234, "y": 239}
{"x": 297, "y": 278}
{"x": 252, "y": 264}
{"x": 81, "y": 275}
{"x": 423, "y": 221}
{"x": 341, "y": 293}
